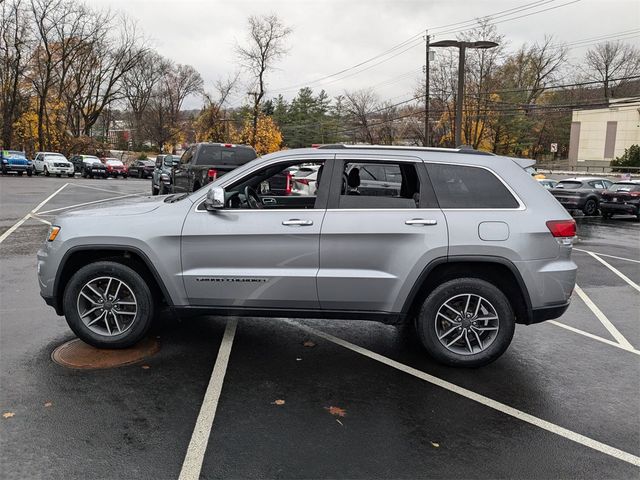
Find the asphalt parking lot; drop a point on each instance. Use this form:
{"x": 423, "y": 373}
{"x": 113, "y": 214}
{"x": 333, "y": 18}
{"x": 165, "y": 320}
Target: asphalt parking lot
{"x": 318, "y": 399}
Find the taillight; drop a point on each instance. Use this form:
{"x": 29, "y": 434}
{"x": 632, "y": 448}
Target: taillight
{"x": 562, "y": 228}
{"x": 304, "y": 181}
{"x": 228, "y": 145}
{"x": 289, "y": 183}
{"x": 212, "y": 174}
{"x": 634, "y": 194}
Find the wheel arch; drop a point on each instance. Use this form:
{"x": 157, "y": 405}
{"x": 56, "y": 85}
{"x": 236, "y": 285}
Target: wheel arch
{"x": 496, "y": 270}
{"x": 130, "y": 256}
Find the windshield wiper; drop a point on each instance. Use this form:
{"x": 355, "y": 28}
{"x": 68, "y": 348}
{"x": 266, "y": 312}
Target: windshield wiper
{"x": 176, "y": 197}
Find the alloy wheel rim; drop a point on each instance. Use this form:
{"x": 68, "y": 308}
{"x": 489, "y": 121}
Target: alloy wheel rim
{"x": 467, "y": 324}
{"x": 107, "y": 306}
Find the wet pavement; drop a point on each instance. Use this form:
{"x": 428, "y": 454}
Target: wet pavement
{"x": 296, "y": 403}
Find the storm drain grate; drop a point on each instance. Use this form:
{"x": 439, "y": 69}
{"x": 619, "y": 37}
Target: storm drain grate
{"x": 77, "y": 354}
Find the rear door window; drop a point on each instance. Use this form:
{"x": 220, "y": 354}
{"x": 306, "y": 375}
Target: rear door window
{"x": 461, "y": 186}
{"x": 569, "y": 184}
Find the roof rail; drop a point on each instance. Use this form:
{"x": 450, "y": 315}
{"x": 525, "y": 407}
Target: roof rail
{"x": 465, "y": 149}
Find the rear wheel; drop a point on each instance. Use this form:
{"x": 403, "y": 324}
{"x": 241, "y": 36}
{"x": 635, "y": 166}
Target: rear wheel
{"x": 590, "y": 207}
{"x": 108, "y": 305}
{"x": 466, "y": 322}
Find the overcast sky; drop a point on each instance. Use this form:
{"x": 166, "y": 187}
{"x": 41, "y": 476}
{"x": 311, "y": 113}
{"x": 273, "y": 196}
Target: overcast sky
{"x": 331, "y": 35}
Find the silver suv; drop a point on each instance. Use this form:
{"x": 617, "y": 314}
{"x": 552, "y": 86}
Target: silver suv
{"x": 462, "y": 244}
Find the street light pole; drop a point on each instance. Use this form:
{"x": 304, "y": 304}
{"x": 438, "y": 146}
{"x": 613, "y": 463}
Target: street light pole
{"x": 462, "y": 47}
{"x": 426, "y": 95}
{"x": 460, "y": 99}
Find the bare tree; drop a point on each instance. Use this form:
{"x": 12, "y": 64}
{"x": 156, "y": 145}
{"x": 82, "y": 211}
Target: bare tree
{"x": 212, "y": 123}
{"x": 609, "y": 61}
{"x": 138, "y": 86}
{"x": 267, "y": 38}
{"x": 14, "y": 54}
{"x": 180, "y": 82}
{"x": 359, "y": 105}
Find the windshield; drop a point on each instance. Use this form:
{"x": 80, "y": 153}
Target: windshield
{"x": 569, "y": 184}
{"x": 625, "y": 187}
{"x": 56, "y": 158}
{"x": 13, "y": 154}
{"x": 90, "y": 158}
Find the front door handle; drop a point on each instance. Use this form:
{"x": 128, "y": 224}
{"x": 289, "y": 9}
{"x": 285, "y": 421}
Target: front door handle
{"x": 421, "y": 221}
{"x": 296, "y": 222}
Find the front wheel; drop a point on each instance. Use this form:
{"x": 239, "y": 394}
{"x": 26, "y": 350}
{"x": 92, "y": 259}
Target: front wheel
{"x": 466, "y": 322}
{"x": 108, "y": 305}
{"x": 29, "y": 173}
{"x": 46, "y": 171}
{"x": 590, "y": 207}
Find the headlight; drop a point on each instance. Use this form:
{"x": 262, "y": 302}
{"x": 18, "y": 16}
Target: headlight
{"x": 53, "y": 233}
{"x": 4, "y": 160}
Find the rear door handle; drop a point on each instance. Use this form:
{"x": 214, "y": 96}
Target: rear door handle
{"x": 296, "y": 222}
{"x": 421, "y": 221}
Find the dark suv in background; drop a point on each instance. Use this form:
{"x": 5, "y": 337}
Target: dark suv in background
{"x": 583, "y": 193}
{"x": 204, "y": 162}
{"x": 621, "y": 198}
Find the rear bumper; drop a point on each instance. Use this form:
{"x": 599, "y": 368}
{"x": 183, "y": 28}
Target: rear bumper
{"x": 548, "y": 313}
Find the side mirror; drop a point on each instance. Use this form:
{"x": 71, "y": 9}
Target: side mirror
{"x": 215, "y": 199}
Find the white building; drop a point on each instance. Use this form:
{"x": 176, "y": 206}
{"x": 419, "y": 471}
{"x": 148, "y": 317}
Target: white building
{"x": 602, "y": 134}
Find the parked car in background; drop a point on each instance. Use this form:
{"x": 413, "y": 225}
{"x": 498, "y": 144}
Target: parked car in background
{"x": 161, "y": 177}
{"x": 142, "y": 168}
{"x": 621, "y": 198}
{"x": 52, "y": 163}
{"x": 305, "y": 181}
{"x": 93, "y": 167}
{"x": 581, "y": 193}
{"x": 78, "y": 162}
{"x": 15, "y": 161}
{"x": 115, "y": 167}
{"x": 547, "y": 183}
{"x": 204, "y": 162}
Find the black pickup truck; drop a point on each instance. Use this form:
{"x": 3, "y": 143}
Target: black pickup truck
{"x": 204, "y": 162}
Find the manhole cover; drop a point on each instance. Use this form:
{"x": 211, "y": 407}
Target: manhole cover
{"x": 77, "y": 354}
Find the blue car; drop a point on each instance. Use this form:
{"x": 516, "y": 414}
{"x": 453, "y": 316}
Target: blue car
{"x": 15, "y": 161}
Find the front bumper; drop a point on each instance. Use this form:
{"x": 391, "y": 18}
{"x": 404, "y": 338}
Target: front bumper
{"x": 8, "y": 167}
{"x": 620, "y": 207}
{"x": 58, "y": 170}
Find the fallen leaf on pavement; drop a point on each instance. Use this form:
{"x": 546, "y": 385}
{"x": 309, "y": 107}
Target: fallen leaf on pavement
{"x": 298, "y": 359}
{"x": 8, "y": 414}
{"x": 339, "y": 422}
{"x": 308, "y": 344}
{"x": 336, "y": 411}
{"x": 146, "y": 367}
{"x": 435, "y": 444}
{"x": 48, "y": 404}
{"x": 278, "y": 402}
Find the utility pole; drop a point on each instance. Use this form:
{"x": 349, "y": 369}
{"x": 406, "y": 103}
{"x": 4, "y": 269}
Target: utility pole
{"x": 426, "y": 93}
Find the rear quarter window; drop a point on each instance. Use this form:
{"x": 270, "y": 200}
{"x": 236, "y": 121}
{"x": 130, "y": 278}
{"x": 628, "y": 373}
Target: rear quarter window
{"x": 461, "y": 186}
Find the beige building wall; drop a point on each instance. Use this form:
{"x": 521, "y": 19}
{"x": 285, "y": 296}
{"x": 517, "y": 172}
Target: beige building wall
{"x": 590, "y": 126}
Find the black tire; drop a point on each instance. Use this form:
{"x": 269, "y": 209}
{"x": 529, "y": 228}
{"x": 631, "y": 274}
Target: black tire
{"x": 590, "y": 207}
{"x": 145, "y": 309}
{"x": 164, "y": 190}
{"x": 46, "y": 171}
{"x": 29, "y": 173}
{"x": 426, "y": 322}
{"x": 154, "y": 190}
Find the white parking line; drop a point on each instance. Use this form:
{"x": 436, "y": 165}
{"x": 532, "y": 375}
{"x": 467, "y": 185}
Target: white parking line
{"x": 616, "y": 271}
{"x": 15, "y": 226}
{"x": 603, "y": 319}
{"x": 104, "y": 189}
{"x": 40, "y": 219}
{"x": 594, "y": 337}
{"x": 46, "y": 212}
{"x": 607, "y": 255}
{"x": 501, "y": 407}
{"x": 200, "y": 437}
